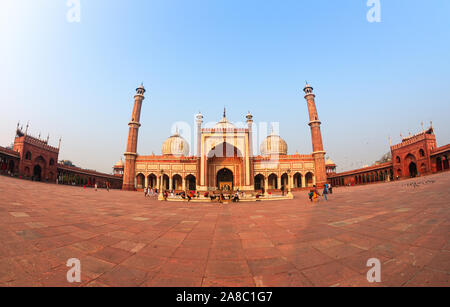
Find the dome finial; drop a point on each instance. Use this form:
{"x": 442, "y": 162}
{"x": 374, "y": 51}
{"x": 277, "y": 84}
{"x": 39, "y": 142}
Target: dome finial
{"x": 224, "y": 112}
{"x": 308, "y": 89}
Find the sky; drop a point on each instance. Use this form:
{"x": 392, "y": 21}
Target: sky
{"x": 76, "y": 80}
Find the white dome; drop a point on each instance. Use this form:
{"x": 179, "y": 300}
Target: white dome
{"x": 175, "y": 146}
{"x": 274, "y": 145}
{"x": 329, "y": 162}
{"x": 224, "y": 124}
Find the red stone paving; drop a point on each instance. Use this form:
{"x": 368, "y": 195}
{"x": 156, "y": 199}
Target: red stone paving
{"x": 123, "y": 239}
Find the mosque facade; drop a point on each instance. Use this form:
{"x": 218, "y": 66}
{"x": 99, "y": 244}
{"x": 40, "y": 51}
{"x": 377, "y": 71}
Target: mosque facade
{"x": 224, "y": 158}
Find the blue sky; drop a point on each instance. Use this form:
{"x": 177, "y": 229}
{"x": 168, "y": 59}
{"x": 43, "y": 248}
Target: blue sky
{"x": 77, "y": 80}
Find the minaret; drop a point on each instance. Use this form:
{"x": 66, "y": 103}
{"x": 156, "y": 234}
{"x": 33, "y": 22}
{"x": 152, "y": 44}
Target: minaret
{"x": 249, "y": 118}
{"x": 129, "y": 173}
{"x": 316, "y": 136}
{"x": 199, "y": 121}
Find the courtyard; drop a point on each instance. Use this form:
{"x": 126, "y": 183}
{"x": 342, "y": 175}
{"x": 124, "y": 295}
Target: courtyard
{"x": 124, "y": 239}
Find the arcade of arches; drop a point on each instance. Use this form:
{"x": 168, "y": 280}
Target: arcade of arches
{"x": 224, "y": 164}
{"x": 34, "y": 159}
{"x": 175, "y": 182}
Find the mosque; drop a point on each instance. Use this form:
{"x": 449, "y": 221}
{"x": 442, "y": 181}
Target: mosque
{"x": 224, "y": 158}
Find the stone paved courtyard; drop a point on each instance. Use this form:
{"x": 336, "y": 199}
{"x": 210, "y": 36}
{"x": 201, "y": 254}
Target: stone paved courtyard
{"x": 123, "y": 239}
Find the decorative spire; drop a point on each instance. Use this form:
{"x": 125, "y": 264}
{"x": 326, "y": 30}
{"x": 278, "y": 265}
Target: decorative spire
{"x": 249, "y": 117}
{"x": 224, "y": 112}
{"x": 423, "y": 127}
{"x": 390, "y": 141}
{"x": 48, "y": 137}
{"x": 141, "y": 89}
{"x": 26, "y": 130}
{"x": 308, "y": 89}
{"x": 59, "y": 144}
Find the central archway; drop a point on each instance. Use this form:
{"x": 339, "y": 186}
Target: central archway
{"x": 411, "y": 162}
{"x": 413, "y": 170}
{"x": 225, "y": 179}
{"x": 225, "y": 167}
{"x": 37, "y": 173}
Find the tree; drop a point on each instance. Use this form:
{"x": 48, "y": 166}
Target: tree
{"x": 67, "y": 163}
{"x": 387, "y": 157}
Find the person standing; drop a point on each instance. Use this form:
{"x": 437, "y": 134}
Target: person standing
{"x": 96, "y": 187}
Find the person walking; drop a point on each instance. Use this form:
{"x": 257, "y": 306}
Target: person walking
{"x": 325, "y": 192}
{"x": 96, "y": 187}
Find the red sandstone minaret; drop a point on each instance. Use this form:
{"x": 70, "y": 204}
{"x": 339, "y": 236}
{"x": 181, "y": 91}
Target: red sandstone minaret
{"x": 316, "y": 136}
{"x": 129, "y": 173}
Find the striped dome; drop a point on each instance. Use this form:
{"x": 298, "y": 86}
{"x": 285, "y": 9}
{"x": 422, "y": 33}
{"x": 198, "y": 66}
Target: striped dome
{"x": 175, "y": 146}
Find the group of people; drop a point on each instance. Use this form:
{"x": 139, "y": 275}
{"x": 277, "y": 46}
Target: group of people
{"x": 314, "y": 193}
{"x": 107, "y": 186}
{"x": 221, "y": 197}
{"x": 189, "y": 195}
{"x": 149, "y": 192}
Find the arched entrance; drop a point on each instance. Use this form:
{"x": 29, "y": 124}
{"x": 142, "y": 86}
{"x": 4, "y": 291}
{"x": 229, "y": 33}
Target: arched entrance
{"x": 165, "y": 183}
{"x": 273, "y": 182}
{"x": 411, "y": 162}
{"x": 297, "y": 180}
{"x": 37, "y": 173}
{"x": 309, "y": 180}
{"x": 225, "y": 179}
{"x": 11, "y": 166}
{"x": 259, "y": 182}
{"x": 284, "y": 181}
{"x": 177, "y": 183}
{"x": 140, "y": 181}
{"x": 446, "y": 163}
{"x": 413, "y": 170}
{"x": 152, "y": 181}
{"x": 39, "y": 169}
{"x": 225, "y": 167}
{"x": 190, "y": 183}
